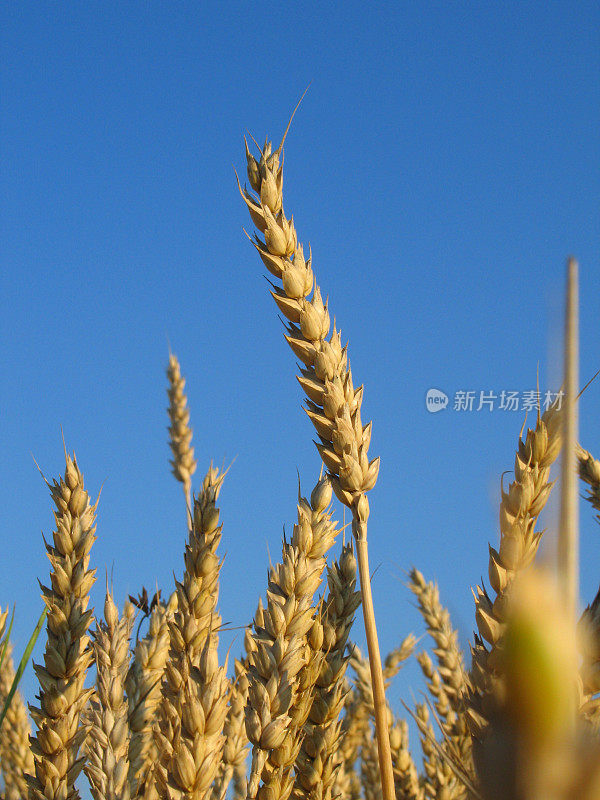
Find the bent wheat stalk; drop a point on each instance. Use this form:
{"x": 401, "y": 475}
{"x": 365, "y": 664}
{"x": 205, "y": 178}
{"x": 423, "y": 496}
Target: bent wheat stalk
{"x": 332, "y": 404}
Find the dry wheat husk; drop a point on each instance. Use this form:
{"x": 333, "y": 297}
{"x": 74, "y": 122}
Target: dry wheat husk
{"x": 520, "y": 508}
{"x": 180, "y": 433}
{"x": 143, "y": 687}
{"x": 107, "y": 744}
{"x": 319, "y": 760}
{"x": 16, "y": 759}
{"x": 195, "y": 689}
{"x": 67, "y": 656}
{"x": 285, "y": 656}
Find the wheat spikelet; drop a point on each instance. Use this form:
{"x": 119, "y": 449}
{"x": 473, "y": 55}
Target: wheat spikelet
{"x": 180, "y": 433}
{"x": 67, "y": 656}
{"x": 519, "y": 541}
{"x": 16, "y": 759}
{"x": 195, "y": 689}
{"x": 143, "y": 687}
{"x": 284, "y": 657}
{"x": 318, "y": 760}
{"x": 108, "y": 740}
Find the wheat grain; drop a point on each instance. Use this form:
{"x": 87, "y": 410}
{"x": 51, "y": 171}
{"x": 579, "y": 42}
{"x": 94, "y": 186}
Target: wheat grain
{"x": 108, "y": 740}
{"x": 67, "y": 655}
{"x": 16, "y": 759}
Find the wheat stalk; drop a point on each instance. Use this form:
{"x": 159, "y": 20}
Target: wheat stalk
{"x": 16, "y": 759}
{"x": 67, "y": 655}
{"x": 108, "y": 741}
{"x": 332, "y": 404}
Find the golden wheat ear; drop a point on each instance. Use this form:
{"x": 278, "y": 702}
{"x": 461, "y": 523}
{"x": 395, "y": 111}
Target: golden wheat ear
{"x": 16, "y": 759}
{"x": 67, "y": 656}
{"x": 183, "y": 462}
{"x": 107, "y": 745}
{"x": 332, "y": 403}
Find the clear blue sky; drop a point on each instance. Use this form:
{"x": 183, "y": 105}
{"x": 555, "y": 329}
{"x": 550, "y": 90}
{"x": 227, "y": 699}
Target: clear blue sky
{"x": 442, "y": 165}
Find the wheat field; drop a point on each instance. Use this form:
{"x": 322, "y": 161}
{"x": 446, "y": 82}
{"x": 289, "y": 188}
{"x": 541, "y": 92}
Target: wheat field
{"x": 137, "y": 699}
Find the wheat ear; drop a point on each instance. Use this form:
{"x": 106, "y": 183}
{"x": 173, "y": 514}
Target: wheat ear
{"x": 235, "y": 749}
{"x": 319, "y": 760}
{"x": 143, "y": 687}
{"x": 107, "y": 744}
{"x": 447, "y": 684}
{"x": 332, "y": 404}
{"x": 195, "y": 688}
{"x": 16, "y": 760}
{"x": 589, "y": 472}
{"x": 402, "y": 764}
{"x": 180, "y": 433}
{"x": 68, "y": 655}
{"x": 285, "y": 652}
{"x": 440, "y": 782}
{"x": 355, "y": 729}
{"x": 520, "y": 508}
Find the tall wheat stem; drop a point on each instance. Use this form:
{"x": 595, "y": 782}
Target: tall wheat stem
{"x": 381, "y": 727}
{"x": 568, "y": 537}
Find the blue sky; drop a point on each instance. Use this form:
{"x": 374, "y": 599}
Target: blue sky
{"x": 443, "y": 164}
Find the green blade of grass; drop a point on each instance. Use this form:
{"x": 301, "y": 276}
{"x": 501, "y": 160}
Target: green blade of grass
{"x": 22, "y": 664}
